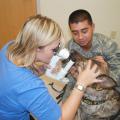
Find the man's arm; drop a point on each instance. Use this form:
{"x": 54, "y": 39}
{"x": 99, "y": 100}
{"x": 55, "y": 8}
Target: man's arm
{"x": 111, "y": 54}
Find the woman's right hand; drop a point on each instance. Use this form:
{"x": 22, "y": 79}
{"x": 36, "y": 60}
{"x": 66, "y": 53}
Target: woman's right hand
{"x": 88, "y": 75}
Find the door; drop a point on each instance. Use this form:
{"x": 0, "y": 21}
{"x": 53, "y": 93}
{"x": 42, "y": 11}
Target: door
{"x": 13, "y": 13}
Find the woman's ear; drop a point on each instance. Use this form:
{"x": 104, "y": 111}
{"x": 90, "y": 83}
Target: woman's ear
{"x": 38, "y": 49}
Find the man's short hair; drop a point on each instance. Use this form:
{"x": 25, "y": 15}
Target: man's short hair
{"x": 80, "y": 15}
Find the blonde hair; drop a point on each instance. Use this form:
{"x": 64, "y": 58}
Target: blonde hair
{"x": 37, "y": 31}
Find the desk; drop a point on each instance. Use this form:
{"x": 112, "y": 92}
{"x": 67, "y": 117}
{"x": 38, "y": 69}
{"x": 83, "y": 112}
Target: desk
{"x": 58, "y": 85}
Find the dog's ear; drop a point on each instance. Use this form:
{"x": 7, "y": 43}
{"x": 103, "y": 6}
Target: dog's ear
{"x": 75, "y": 56}
{"x": 108, "y": 82}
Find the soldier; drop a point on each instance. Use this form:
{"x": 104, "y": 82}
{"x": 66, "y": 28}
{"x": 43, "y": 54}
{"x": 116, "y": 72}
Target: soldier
{"x": 104, "y": 50}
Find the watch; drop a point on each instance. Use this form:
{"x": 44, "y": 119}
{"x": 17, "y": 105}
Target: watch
{"x": 80, "y": 87}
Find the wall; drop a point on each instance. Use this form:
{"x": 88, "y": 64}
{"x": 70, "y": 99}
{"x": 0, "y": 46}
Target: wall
{"x": 105, "y": 14}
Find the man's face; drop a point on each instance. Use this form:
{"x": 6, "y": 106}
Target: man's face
{"x": 82, "y": 33}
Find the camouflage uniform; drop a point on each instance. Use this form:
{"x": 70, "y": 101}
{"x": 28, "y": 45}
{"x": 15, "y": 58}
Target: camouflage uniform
{"x": 101, "y": 46}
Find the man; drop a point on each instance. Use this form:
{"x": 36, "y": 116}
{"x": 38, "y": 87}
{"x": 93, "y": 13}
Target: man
{"x": 89, "y": 45}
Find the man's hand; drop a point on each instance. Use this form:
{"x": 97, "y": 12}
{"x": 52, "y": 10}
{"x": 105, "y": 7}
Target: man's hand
{"x": 100, "y": 59}
{"x": 103, "y": 63}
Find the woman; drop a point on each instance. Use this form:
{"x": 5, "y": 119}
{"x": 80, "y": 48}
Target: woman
{"x": 21, "y": 89}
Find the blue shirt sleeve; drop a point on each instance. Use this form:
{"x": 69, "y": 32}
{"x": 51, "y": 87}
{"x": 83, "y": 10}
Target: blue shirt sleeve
{"x": 35, "y": 98}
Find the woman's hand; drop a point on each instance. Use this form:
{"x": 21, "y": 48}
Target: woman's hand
{"x": 88, "y": 76}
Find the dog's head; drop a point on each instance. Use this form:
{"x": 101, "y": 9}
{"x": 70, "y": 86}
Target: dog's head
{"x": 81, "y": 62}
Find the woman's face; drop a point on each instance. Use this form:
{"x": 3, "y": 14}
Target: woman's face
{"x": 44, "y": 54}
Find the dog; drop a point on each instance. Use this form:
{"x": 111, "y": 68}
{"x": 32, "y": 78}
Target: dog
{"x": 101, "y": 101}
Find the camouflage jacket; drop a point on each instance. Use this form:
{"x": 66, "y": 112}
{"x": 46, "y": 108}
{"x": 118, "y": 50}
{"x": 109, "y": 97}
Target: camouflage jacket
{"x": 102, "y": 46}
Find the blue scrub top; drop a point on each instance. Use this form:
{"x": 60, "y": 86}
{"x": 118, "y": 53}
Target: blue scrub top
{"x": 22, "y": 92}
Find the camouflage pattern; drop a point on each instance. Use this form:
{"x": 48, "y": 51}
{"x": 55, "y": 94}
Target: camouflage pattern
{"x": 105, "y": 108}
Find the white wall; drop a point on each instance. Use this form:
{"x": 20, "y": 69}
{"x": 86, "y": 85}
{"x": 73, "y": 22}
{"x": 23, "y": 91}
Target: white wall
{"x": 105, "y": 13}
